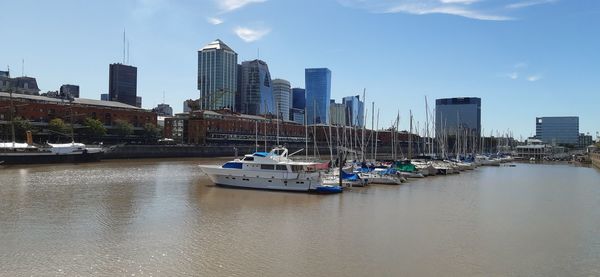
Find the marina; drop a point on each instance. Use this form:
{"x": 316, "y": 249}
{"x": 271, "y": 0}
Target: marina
{"x": 164, "y": 217}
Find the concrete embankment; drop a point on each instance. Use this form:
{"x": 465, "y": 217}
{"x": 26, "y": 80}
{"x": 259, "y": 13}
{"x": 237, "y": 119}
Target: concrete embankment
{"x": 595, "y": 159}
{"x": 175, "y": 151}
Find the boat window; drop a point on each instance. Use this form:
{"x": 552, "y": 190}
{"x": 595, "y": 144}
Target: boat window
{"x": 267, "y": 166}
{"x": 232, "y": 165}
{"x": 297, "y": 168}
{"x": 249, "y": 159}
{"x": 281, "y": 167}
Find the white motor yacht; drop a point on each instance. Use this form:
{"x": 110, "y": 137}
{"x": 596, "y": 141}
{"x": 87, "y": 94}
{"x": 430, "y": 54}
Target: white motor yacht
{"x": 272, "y": 171}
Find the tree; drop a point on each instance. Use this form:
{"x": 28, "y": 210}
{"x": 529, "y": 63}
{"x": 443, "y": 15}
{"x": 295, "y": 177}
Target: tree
{"x": 123, "y": 128}
{"x": 151, "y": 132}
{"x": 94, "y": 127}
{"x": 21, "y": 128}
{"x": 57, "y": 125}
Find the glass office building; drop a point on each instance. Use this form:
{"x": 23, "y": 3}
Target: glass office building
{"x": 256, "y": 90}
{"x": 462, "y": 113}
{"x": 355, "y": 111}
{"x": 281, "y": 97}
{"x": 217, "y": 76}
{"x": 298, "y": 104}
{"x": 122, "y": 85}
{"x": 318, "y": 93}
{"x": 557, "y": 129}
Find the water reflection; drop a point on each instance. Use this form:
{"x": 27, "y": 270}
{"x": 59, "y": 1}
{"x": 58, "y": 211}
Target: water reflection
{"x": 162, "y": 217}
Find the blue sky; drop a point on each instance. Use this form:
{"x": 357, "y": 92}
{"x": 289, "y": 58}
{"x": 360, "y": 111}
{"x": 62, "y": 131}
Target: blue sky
{"x": 524, "y": 58}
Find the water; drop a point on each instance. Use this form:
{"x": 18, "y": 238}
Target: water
{"x": 163, "y": 218}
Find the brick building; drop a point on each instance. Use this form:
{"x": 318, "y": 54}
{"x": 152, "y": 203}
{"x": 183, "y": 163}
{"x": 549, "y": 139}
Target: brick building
{"x": 225, "y": 127}
{"x": 39, "y": 110}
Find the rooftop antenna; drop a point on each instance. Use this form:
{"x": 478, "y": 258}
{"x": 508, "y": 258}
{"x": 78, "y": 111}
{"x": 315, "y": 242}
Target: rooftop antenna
{"x": 127, "y": 51}
{"x": 22, "y": 67}
{"x": 258, "y": 53}
{"x": 123, "y": 45}
{"x": 163, "y": 97}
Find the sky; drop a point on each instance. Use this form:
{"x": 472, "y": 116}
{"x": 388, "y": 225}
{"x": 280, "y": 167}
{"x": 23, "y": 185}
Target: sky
{"x": 524, "y": 58}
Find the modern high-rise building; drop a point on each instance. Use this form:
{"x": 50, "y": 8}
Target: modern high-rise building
{"x": 318, "y": 93}
{"x": 461, "y": 113}
{"x": 71, "y": 90}
{"x": 281, "y": 97}
{"x": 138, "y": 101}
{"x": 355, "y": 111}
{"x": 163, "y": 110}
{"x": 122, "y": 86}
{"x": 557, "y": 129}
{"x": 337, "y": 113}
{"x": 217, "y": 76}
{"x": 104, "y": 97}
{"x": 256, "y": 90}
{"x": 298, "y": 99}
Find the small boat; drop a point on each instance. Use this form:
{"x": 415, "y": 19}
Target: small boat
{"x": 270, "y": 171}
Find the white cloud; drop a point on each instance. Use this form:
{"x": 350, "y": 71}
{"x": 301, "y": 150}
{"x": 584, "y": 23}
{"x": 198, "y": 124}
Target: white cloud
{"x": 214, "y": 20}
{"x": 513, "y": 75}
{"x": 451, "y": 10}
{"x": 529, "y": 3}
{"x": 520, "y": 65}
{"x": 250, "y": 35}
{"x": 534, "y": 78}
{"x": 459, "y": 1}
{"x": 463, "y": 8}
{"x": 230, "y": 5}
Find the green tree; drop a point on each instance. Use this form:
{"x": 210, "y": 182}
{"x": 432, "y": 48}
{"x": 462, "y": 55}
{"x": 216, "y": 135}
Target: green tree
{"x": 151, "y": 132}
{"x": 123, "y": 128}
{"x": 58, "y": 125}
{"x": 21, "y": 127}
{"x": 94, "y": 128}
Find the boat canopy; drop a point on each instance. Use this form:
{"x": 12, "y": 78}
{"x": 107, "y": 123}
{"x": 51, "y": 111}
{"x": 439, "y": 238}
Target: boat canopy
{"x": 260, "y": 154}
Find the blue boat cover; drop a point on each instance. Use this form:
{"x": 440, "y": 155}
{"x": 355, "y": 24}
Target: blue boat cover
{"x": 260, "y": 154}
{"x": 349, "y": 176}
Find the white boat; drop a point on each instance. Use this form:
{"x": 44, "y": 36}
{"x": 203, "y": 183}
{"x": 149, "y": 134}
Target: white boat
{"x": 383, "y": 179}
{"x": 425, "y": 167}
{"x": 271, "y": 171}
{"x": 27, "y": 153}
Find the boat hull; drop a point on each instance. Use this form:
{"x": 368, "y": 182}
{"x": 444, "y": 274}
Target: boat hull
{"x": 247, "y": 179}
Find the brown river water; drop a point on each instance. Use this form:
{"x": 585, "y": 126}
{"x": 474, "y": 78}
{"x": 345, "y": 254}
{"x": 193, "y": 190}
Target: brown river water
{"x": 164, "y": 218}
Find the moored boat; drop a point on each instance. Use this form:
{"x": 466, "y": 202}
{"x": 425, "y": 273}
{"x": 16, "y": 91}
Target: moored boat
{"x": 270, "y": 171}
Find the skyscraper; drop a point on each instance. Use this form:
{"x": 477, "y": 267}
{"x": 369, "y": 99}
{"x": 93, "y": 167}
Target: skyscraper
{"x": 72, "y": 90}
{"x": 281, "y": 97}
{"x": 463, "y": 114}
{"x": 256, "y": 90}
{"x": 298, "y": 99}
{"x": 217, "y": 76}
{"x": 355, "y": 111}
{"x": 122, "y": 85}
{"x": 318, "y": 94}
{"x": 337, "y": 112}
{"x": 557, "y": 129}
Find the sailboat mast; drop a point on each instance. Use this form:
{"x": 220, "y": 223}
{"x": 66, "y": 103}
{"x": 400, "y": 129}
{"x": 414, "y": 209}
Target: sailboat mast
{"x": 410, "y": 146}
{"x": 12, "y": 116}
{"x": 376, "y": 136}
{"x": 372, "y": 129}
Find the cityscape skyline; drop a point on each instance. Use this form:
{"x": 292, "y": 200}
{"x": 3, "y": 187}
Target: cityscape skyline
{"x": 525, "y": 73}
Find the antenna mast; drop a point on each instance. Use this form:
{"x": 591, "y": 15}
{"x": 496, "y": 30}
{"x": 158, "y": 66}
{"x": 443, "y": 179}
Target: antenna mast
{"x": 123, "y": 45}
